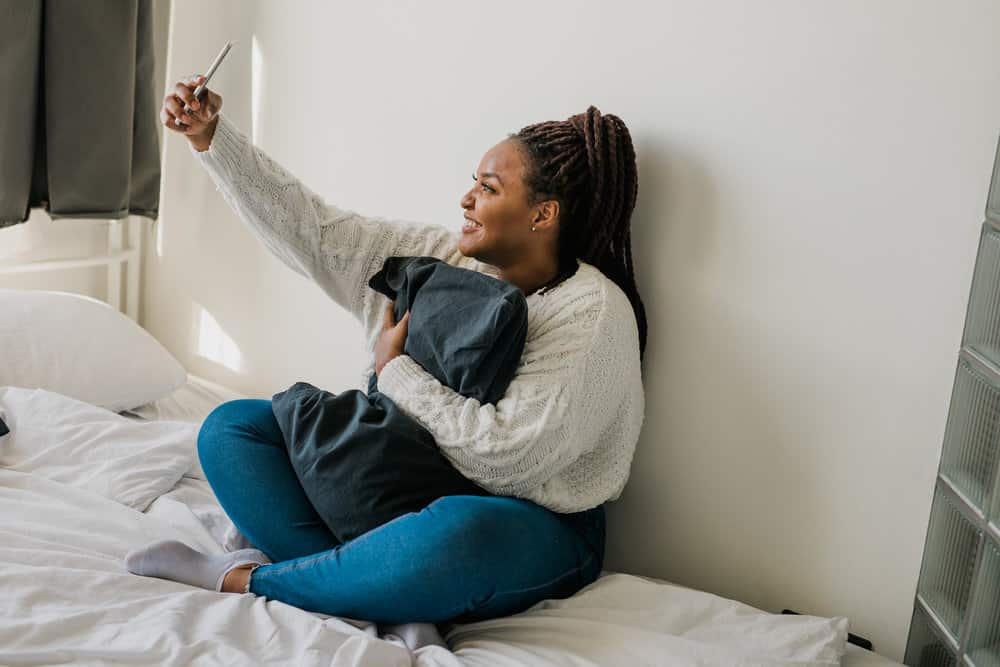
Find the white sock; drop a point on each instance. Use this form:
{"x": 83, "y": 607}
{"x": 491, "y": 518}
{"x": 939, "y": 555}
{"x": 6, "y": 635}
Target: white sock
{"x": 414, "y": 635}
{"x": 174, "y": 560}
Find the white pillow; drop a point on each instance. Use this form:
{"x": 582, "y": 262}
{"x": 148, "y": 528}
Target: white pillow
{"x": 83, "y": 348}
{"x": 624, "y": 619}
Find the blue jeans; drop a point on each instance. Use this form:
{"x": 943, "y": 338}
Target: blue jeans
{"x": 460, "y": 559}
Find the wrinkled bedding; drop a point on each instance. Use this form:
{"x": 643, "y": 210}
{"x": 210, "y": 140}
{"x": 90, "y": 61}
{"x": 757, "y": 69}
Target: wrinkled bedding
{"x": 80, "y": 493}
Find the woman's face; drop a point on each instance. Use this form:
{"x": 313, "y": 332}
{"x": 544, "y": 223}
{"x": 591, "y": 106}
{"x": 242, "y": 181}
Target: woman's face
{"x": 498, "y": 218}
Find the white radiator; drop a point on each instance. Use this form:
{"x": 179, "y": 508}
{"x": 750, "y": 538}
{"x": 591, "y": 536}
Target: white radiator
{"x": 120, "y": 253}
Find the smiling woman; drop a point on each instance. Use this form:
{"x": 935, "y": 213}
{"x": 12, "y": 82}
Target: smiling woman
{"x": 500, "y": 218}
{"x": 548, "y": 212}
{"x": 574, "y": 182}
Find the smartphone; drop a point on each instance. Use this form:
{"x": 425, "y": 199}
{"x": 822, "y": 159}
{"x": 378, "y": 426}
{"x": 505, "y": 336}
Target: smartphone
{"x": 208, "y": 75}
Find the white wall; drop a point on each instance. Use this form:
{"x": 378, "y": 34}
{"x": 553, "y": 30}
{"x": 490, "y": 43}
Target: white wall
{"x": 812, "y": 183}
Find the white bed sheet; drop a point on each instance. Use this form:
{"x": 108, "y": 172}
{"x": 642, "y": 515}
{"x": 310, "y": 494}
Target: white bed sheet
{"x": 67, "y": 598}
{"x": 190, "y": 402}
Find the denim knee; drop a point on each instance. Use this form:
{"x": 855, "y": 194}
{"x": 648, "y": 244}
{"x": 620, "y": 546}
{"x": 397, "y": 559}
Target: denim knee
{"x": 210, "y": 445}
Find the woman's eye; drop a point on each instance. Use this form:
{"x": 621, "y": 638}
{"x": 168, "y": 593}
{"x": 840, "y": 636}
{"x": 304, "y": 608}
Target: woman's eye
{"x": 485, "y": 187}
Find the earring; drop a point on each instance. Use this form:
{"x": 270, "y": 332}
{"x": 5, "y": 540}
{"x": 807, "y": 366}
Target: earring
{"x": 532, "y": 228}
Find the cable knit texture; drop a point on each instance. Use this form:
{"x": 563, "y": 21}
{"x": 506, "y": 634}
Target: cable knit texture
{"x": 564, "y": 433}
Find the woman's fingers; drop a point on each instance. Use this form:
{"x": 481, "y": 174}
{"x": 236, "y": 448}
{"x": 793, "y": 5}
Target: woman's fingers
{"x": 209, "y": 105}
{"x": 176, "y": 109}
{"x": 173, "y": 116}
{"x": 204, "y": 107}
{"x": 200, "y": 111}
{"x": 185, "y": 90}
{"x": 169, "y": 116}
{"x": 389, "y": 320}
{"x": 170, "y": 122}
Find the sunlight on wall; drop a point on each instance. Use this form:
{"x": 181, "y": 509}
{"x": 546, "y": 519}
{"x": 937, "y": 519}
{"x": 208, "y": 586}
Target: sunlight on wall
{"x": 256, "y": 86}
{"x": 159, "y": 238}
{"x": 212, "y": 343}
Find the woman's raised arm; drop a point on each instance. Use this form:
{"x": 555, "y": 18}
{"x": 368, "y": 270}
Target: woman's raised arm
{"x": 336, "y": 248}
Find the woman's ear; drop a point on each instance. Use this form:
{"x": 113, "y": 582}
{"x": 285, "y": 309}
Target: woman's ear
{"x": 546, "y": 214}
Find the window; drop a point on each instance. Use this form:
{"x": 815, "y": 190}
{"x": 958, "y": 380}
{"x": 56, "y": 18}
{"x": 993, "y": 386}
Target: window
{"x": 956, "y": 614}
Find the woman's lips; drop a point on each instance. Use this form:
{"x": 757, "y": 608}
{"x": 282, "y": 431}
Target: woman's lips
{"x": 470, "y": 226}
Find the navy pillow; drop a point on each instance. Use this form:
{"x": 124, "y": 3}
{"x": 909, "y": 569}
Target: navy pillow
{"x": 361, "y": 461}
{"x": 467, "y": 329}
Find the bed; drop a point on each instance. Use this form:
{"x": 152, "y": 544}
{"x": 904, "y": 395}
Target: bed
{"x": 98, "y": 456}
{"x": 92, "y": 484}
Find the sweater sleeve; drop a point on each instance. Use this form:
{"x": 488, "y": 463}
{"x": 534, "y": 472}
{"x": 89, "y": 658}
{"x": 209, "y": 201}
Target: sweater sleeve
{"x": 561, "y": 399}
{"x": 336, "y": 248}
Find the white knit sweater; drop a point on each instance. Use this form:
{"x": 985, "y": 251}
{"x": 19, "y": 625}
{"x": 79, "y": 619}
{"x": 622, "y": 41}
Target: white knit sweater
{"x": 564, "y": 433}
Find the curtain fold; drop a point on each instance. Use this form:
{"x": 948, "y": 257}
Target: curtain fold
{"x": 79, "y": 125}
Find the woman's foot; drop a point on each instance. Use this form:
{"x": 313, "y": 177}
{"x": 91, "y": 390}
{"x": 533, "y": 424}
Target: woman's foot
{"x": 174, "y": 560}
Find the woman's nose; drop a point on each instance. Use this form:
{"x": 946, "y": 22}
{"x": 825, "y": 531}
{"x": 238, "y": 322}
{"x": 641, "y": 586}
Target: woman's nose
{"x": 467, "y": 201}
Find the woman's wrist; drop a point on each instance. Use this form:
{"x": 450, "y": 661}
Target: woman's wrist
{"x": 202, "y": 141}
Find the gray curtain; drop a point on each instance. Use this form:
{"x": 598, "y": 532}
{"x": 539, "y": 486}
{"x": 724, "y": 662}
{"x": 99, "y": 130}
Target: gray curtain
{"x": 79, "y": 124}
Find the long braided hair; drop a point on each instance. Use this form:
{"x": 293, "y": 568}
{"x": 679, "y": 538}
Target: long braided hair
{"x": 587, "y": 164}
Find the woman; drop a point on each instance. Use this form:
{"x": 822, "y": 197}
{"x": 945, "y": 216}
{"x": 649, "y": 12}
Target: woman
{"x": 549, "y": 212}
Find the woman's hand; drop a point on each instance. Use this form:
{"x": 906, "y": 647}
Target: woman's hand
{"x": 391, "y": 341}
{"x": 198, "y": 125}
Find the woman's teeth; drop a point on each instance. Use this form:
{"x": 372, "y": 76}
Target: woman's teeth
{"x": 470, "y": 226}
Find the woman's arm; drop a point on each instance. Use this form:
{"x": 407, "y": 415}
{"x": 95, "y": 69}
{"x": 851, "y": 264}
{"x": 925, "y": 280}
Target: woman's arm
{"x": 336, "y": 248}
{"x": 566, "y": 393}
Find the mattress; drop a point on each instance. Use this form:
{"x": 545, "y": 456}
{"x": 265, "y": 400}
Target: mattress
{"x": 82, "y": 500}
